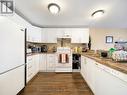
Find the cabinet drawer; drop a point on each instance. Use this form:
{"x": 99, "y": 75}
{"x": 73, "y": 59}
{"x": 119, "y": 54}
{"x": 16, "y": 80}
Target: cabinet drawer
{"x": 29, "y": 65}
{"x": 29, "y": 77}
{"x": 29, "y": 74}
{"x": 29, "y": 59}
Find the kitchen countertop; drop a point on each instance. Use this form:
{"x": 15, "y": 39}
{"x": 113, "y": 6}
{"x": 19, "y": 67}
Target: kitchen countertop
{"x": 119, "y": 66}
{"x": 31, "y": 54}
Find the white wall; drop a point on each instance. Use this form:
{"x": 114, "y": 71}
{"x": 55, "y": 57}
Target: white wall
{"x": 19, "y": 20}
{"x": 98, "y": 37}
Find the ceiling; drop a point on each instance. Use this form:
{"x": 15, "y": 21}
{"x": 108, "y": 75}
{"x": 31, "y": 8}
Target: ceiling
{"x": 74, "y": 13}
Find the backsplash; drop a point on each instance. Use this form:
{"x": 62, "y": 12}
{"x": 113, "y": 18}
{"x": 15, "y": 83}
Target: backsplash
{"x": 60, "y": 43}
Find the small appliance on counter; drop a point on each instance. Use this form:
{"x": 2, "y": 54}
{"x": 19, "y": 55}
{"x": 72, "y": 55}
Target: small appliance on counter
{"x": 84, "y": 49}
{"x": 77, "y": 49}
{"x": 44, "y": 48}
{"x": 29, "y": 51}
{"x": 34, "y": 49}
{"x": 104, "y": 54}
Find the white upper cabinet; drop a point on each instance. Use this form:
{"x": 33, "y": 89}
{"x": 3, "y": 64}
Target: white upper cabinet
{"x": 64, "y": 32}
{"x": 77, "y": 35}
{"x": 49, "y": 35}
{"x": 36, "y": 34}
{"x": 33, "y": 34}
{"x": 80, "y": 35}
{"x": 29, "y": 34}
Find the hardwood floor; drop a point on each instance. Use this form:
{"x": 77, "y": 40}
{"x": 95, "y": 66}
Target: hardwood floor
{"x": 57, "y": 84}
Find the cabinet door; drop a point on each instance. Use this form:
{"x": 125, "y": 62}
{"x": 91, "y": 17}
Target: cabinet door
{"x": 60, "y": 33}
{"x": 83, "y": 67}
{"x": 88, "y": 72}
{"x": 107, "y": 84}
{"x": 51, "y": 35}
{"x": 51, "y": 62}
{"x": 30, "y": 68}
{"x": 85, "y": 35}
{"x": 30, "y": 34}
{"x": 42, "y": 63}
{"x": 67, "y": 32}
{"x": 80, "y": 35}
{"x": 90, "y": 67}
{"x": 75, "y": 36}
{"x": 33, "y": 34}
{"x": 64, "y": 33}
{"x": 36, "y": 63}
{"x": 36, "y": 34}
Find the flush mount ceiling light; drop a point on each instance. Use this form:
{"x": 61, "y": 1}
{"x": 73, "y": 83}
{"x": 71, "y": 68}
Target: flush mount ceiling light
{"x": 97, "y": 13}
{"x": 54, "y": 8}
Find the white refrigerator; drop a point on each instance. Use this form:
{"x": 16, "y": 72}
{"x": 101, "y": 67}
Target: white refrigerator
{"x": 12, "y": 57}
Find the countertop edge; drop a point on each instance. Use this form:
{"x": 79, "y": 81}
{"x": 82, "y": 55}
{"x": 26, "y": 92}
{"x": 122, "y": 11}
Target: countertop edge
{"x": 121, "y": 67}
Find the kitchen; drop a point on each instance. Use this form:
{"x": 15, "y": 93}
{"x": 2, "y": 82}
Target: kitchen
{"x": 64, "y": 50}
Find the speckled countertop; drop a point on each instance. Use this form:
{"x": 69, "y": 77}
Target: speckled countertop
{"x": 119, "y": 66}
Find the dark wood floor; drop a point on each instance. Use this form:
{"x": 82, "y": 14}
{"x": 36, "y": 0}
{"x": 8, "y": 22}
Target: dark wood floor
{"x": 57, "y": 84}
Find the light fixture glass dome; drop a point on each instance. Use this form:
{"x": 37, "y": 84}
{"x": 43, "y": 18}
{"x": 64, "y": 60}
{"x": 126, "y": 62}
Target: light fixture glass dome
{"x": 98, "y": 13}
{"x": 53, "y": 8}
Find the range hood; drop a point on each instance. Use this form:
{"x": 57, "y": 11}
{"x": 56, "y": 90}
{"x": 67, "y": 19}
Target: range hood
{"x": 63, "y": 41}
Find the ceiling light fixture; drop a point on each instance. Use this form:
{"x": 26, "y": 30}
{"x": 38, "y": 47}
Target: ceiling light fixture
{"x": 54, "y": 8}
{"x": 97, "y": 13}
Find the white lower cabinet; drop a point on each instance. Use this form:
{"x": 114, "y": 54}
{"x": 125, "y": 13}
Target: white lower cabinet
{"x": 51, "y": 62}
{"x": 90, "y": 67}
{"x": 36, "y": 59}
{"x": 42, "y": 63}
{"x": 29, "y": 69}
{"x": 32, "y": 66}
{"x": 108, "y": 84}
{"x": 12, "y": 82}
{"x": 88, "y": 71}
{"x": 100, "y": 81}
{"x": 47, "y": 63}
